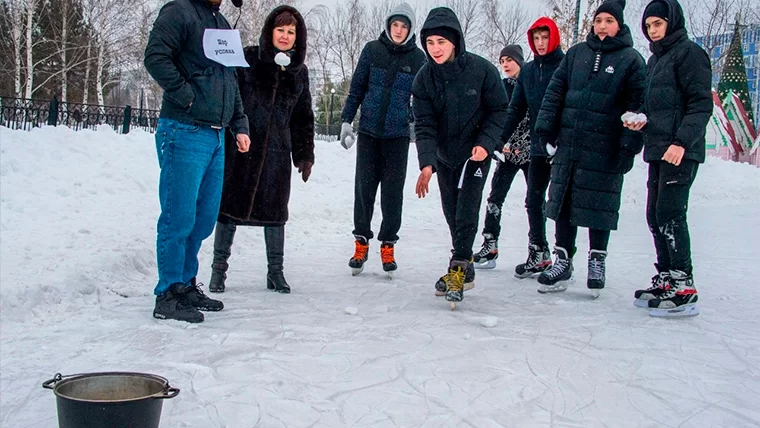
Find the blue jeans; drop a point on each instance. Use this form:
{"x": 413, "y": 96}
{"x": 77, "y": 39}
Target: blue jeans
{"x": 191, "y": 158}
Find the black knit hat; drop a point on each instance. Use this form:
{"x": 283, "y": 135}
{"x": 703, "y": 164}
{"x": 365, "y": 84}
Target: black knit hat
{"x": 401, "y": 18}
{"x": 447, "y": 33}
{"x": 515, "y": 52}
{"x": 658, "y": 9}
{"x": 614, "y": 8}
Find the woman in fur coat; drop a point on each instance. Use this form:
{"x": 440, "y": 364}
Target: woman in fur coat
{"x": 277, "y": 101}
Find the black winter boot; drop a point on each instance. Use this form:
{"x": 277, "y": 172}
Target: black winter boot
{"x": 223, "y": 237}
{"x": 274, "y": 238}
{"x": 195, "y": 297}
{"x": 170, "y": 306}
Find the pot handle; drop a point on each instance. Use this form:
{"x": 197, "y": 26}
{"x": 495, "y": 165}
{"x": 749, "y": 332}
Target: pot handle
{"x": 50, "y": 384}
{"x": 169, "y": 392}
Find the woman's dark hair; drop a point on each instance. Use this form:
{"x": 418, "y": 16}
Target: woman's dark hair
{"x": 285, "y": 18}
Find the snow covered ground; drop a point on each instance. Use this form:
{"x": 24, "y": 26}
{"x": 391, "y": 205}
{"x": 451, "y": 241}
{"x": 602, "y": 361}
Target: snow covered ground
{"x": 77, "y": 270}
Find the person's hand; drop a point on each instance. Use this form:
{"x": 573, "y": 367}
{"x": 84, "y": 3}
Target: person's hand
{"x": 635, "y": 126}
{"x": 346, "y": 135}
{"x": 506, "y": 149}
{"x": 304, "y": 168}
{"x": 674, "y": 155}
{"x": 243, "y": 142}
{"x": 479, "y": 154}
{"x": 422, "y": 182}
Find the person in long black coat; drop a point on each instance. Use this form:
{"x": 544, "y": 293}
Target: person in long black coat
{"x": 678, "y": 104}
{"x": 276, "y": 98}
{"x": 460, "y": 106}
{"x": 382, "y": 86}
{"x": 597, "y": 82}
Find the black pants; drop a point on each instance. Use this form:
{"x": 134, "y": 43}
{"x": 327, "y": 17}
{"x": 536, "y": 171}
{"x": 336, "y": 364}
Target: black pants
{"x": 667, "y": 203}
{"x": 380, "y": 162}
{"x": 500, "y": 184}
{"x": 566, "y": 234}
{"x": 461, "y": 206}
{"x": 539, "y": 175}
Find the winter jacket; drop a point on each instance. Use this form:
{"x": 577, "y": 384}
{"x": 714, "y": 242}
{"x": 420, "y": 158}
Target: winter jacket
{"x": 594, "y": 85}
{"x": 382, "y": 83}
{"x": 278, "y": 104}
{"x": 457, "y": 105}
{"x": 678, "y": 98}
{"x": 531, "y": 86}
{"x": 174, "y": 58}
{"x": 519, "y": 142}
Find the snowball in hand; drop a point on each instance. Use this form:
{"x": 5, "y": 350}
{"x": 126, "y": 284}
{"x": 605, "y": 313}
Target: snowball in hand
{"x": 282, "y": 59}
{"x": 632, "y": 117}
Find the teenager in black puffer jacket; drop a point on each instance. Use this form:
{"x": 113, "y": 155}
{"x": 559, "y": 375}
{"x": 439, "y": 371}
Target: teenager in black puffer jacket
{"x": 678, "y": 104}
{"x": 516, "y": 154}
{"x": 459, "y": 107}
{"x": 598, "y": 81}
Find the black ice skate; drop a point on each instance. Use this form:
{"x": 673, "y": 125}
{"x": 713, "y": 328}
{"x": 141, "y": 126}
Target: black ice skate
{"x": 596, "y": 271}
{"x": 679, "y": 300}
{"x": 360, "y": 255}
{"x": 454, "y": 280}
{"x": 469, "y": 280}
{"x": 555, "y": 279}
{"x": 388, "y": 258}
{"x": 486, "y": 257}
{"x": 539, "y": 260}
{"x": 660, "y": 285}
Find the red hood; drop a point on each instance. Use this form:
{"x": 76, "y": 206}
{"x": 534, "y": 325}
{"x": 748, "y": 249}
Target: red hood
{"x": 554, "y": 39}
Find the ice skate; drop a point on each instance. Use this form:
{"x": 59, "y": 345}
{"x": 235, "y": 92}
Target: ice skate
{"x": 539, "y": 260}
{"x": 596, "y": 272}
{"x": 486, "y": 257}
{"x": 659, "y": 285}
{"x": 679, "y": 300}
{"x": 360, "y": 255}
{"x": 469, "y": 281}
{"x": 556, "y": 278}
{"x": 454, "y": 280}
{"x": 388, "y": 259}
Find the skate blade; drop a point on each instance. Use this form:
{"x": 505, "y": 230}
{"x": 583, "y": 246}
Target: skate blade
{"x": 488, "y": 264}
{"x": 453, "y": 305}
{"x": 525, "y": 275}
{"x": 690, "y": 310}
{"x": 547, "y": 289}
{"x": 641, "y": 303}
{"x": 357, "y": 271}
{"x": 595, "y": 293}
{"x": 390, "y": 274}
{"x": 440, "y": 293}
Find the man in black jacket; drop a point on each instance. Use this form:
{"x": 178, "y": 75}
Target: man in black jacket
{"x": 544, "y": 41}
{"x": 678, "y": 103}
{"x": 200, "y": 99}
{"x": 382, "y": 85}
{"x": 459, "y": 105}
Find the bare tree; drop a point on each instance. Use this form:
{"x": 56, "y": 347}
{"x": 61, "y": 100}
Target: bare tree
{"x": 14, "y": 21}
{"x": 347, "y": 30}
{"x": 710, "y": 20}
{"x": 563, "y": 13}
{"x": 503, "y": 24}
{"x": 470, "y": 14}
{"x": 318, "y": 27}
{"x": 378, "y": 14}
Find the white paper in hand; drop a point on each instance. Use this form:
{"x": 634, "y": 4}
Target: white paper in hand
{"x": 224, "y": 47}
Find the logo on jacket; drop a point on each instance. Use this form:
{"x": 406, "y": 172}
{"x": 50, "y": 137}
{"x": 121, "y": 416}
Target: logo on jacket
{"x": 479, "y": 173}
{"x": 472, "y": 92}
{"x": 406, "y": 69}
{"x": 610, "y": 69}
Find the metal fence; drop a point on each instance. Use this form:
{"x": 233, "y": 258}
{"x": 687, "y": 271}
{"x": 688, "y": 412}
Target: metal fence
{"x": 18, "y": 113}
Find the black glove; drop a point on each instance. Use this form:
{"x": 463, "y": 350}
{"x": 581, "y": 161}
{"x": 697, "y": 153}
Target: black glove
{"x": 304, "y": 168}
{"x": 625, "y": 162}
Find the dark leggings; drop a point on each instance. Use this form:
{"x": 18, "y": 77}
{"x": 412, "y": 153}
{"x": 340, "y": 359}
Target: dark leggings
{"x": 566, "y": 234}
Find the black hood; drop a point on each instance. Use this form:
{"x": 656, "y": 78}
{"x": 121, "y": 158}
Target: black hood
{"x": 676, "y": 20}
{"x": 623, "y": 39}
{"x": 266, "y": 47}
{"x": 443, "y": 17}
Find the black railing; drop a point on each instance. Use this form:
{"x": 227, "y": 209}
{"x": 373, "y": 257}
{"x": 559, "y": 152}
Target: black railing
{"x": 18, "y": 113}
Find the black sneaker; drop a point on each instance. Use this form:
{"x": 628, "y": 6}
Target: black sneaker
{"x": 172, "y": 307}
{"x": 194, "y": 296}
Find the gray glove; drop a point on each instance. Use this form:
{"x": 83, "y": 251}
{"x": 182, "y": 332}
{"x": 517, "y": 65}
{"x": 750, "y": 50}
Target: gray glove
{"x": 346, "y": 135}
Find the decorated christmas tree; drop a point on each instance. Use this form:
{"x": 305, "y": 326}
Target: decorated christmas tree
{"x": 734, "y": 75}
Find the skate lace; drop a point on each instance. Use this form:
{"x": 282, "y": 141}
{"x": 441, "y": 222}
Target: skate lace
{"x": 534, "y": 256}
{"x": 386, "y": 254}
{"x": 454, "y": 280}
{"x": 360, "y": 253}
{"x": 558, "y": 268}
{"x": 198, "y": 291}
{"x": 488, "y": 247}
{"x": 595, "y": 269}
{"x": 658, "y": 282}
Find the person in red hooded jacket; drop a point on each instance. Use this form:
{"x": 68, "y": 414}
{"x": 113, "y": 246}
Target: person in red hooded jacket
{"x": 544, "y": 41}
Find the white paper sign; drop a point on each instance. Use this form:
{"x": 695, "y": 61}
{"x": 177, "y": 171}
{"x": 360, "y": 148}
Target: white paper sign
{"x": 224, "y": 47}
